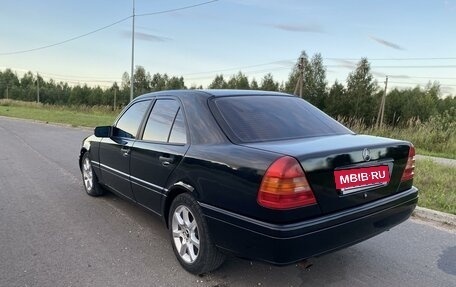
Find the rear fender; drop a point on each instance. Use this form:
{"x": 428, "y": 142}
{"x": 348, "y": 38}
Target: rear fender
{"x": 176, "y": 189}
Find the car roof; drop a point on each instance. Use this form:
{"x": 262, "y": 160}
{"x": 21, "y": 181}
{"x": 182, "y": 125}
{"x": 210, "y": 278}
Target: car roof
{"x": 211, "y": 93}
{"x": 227, "y": 92}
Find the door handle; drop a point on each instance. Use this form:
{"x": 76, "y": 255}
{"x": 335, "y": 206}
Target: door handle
{"x": 125, "y": 151}
{"x": 166, "y": 160}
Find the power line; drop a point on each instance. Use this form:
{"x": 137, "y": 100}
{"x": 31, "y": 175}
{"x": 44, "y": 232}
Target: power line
{"x": 281, "y": 62}
{"x": 327, "y": 66}
{"x": 134, "y": 15}
{"x": 420, "y": 77}
{"x": 402, "y": 67}
{"x": 105, "y": 27}
{"x": 66, "y": 78}
{"x": 79, "y": 81}
{"x": 81, "y": 77}
{"x": 76, "y": 81}
{"x": 115, "y": 79}
{"x": 67, "y": 40}
{"x": 244, "y": 72}
{"x": 412, "y": 83}
{"x": 71, "y": 77}
{"x": 240, "y": 68}
{"x": 176, "y": 9}
{"x": 82, "y": 83}
{"x": 395, "y": 59}
{"x": 236, "y": 68}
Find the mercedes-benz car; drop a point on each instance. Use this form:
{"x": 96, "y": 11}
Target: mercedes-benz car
{"x": 261, "y": 175}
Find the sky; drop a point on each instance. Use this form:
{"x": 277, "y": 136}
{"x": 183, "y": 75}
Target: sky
{"x": 413, "y": 42}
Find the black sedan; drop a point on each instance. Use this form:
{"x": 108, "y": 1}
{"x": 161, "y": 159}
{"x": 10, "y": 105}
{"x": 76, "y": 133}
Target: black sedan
{"x": 262, "y": 175}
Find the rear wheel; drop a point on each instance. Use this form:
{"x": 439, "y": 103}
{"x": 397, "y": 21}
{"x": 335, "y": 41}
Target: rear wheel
{"x": 90, "y": 180}
{"x": 190, "y": 238}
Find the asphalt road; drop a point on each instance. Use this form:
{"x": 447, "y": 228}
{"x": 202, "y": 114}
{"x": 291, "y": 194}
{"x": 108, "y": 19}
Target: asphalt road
{"x": 53, "y": 234}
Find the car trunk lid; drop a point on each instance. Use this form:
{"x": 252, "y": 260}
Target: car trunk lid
{"x": 346, "y": 170}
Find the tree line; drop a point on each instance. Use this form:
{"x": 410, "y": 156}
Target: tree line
{"x": 358, "y": 98}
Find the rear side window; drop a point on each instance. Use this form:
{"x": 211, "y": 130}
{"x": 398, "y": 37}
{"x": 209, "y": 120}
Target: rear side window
{"x": 164, "y": 123}
{"x": 178, "y": 134}
{"x": 268, "y": 118}
{"x": 130, "y": 121}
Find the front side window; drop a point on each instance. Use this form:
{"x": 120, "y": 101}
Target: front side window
{"x": 161, "y": 120}
{"x": 129, "y": 122}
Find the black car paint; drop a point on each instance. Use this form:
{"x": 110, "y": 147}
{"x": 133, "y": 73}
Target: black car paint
{"x": 224, "y": 178}
{"x": 324, "y": 154}
{"x": 283, "y": 244}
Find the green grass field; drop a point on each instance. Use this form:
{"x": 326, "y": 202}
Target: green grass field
{"x": 436, "y": 184}
{"x": 74, "y": 116}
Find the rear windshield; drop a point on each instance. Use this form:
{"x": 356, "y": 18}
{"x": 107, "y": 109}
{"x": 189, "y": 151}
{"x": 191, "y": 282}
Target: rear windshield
{"x": 269, "y": 118}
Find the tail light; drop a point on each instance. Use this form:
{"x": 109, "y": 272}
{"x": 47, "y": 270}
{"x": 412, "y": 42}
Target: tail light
{"x": 409, "y": 170}
{"x": 285, "y": 186}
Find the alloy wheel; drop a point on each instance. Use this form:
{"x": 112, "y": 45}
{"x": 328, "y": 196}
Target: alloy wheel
{"x": 185, "y": 234}
{"x": 87, "y": 174}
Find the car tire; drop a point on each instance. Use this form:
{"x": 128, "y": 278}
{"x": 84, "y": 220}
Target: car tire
{"x": 89, "y": 178}
{"x": 190, "y": 237}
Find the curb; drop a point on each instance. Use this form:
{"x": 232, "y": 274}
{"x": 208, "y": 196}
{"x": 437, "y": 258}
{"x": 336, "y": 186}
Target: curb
{"x": 438, "y": 160}
{"x": 434, "y": 215}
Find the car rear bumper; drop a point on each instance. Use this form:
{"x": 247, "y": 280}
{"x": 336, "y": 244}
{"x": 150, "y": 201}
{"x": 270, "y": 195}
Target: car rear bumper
{"x": 285, "y": 244}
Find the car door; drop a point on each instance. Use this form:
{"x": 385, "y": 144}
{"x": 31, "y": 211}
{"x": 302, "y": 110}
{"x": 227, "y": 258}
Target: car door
{"x": 115, "y": 151}
{"x": 157, "y": 153}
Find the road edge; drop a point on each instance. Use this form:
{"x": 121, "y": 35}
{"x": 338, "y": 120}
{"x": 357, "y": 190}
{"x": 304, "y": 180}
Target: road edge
{"x": 49, "y": 123}
{"x": 435, "y": 216}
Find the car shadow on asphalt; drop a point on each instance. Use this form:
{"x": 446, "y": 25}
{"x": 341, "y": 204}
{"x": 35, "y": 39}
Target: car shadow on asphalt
{"x": 373, "y": 260}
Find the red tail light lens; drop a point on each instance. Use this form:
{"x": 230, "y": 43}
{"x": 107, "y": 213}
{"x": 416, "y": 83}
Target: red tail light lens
{"x": 285, "y": 186}
{"x": 409, "y": 170}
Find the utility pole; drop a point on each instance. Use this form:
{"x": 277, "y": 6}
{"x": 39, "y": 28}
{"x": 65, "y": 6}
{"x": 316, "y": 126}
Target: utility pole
{"x": 300, "y": 82}
{"x": 383, "y": 101}
{"x": 115, "y": 99}
{"x": 381, "y": 110}
{"x": 132, "y": 53}
{"x": 301, "y": 63}
{"x": 37, "y": 88}
{"x": 7, "y": 91}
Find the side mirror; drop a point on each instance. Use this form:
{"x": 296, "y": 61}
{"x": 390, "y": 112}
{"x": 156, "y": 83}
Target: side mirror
{"x": 103, "y": 132}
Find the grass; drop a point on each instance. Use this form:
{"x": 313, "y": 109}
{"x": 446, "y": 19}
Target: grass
{"x": 74, "y": 116}
{"x": 436, "y": 154}
{"x": 436, "y": 184}
{"x": 436, "y": 137}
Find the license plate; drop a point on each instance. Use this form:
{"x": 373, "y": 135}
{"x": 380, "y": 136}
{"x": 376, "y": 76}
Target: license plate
{"x": 350, "y": 179}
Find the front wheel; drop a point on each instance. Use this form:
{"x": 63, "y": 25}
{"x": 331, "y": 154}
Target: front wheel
{"x": 190, "y": 238}
{"x": 90, "y": 180}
